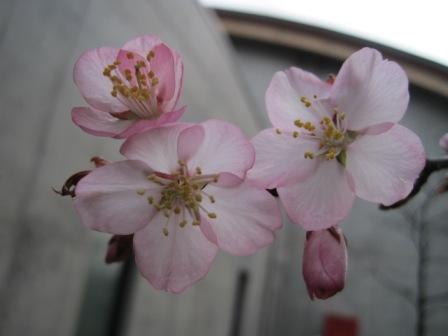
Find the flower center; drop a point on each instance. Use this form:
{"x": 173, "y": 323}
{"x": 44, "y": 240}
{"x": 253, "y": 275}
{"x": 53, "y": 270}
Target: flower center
{"x": 135, "y": 86}
{"x": 331, "y": 133}
{"x": 182, "y": 195}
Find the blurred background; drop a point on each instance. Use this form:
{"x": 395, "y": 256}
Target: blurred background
{"x": 53, "y": 279}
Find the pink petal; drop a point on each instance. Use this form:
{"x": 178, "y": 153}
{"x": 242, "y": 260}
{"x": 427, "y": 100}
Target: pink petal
{"x": 142, "y": 44}
{"x": 227, "y": 180}
{"x": 163, "y": 66}
{"x": 99, "y": 123}
{"x": 94, "y": 86}
{"x": 174, "y": 262}
{"x": 156, "y": 147}
{"x": 443, "y": 142}
{"x": 279, "y": 159}
{"x": 323, "y": 200}
{"x": 142, "y": 125}
{"x": 324, "y": 263}
{"x": 384, "y": 167}
{"x": 170, "y": 103}
{"x": 224, "y": 149}
{"x": 108, "y": 198}
{"x": 246, "y": 218}
{"x": 284, "y": 93}
{"x": 189, "y": 141}
{"x": 370, "y": 90}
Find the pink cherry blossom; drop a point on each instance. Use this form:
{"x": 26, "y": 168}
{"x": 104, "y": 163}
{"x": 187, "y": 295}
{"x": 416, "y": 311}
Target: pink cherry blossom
{"x": 443, "y": 142}
{"x": 181, "y": 192}
{"x": 130, "y": 89}
{"x": 331, "y": 142}
{"x": 324, "y": 262}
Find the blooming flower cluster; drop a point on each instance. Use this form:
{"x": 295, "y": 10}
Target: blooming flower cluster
{"x": 181, "y": 193}
{"x": 186, "y": 190}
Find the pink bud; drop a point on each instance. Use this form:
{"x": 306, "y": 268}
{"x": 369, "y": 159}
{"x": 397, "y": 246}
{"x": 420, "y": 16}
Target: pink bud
{"x": 119, "y": 248}
{"x": 324, "y": 262}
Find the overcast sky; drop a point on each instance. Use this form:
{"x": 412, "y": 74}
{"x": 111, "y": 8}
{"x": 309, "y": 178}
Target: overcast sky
{"x": 417, "y": 27}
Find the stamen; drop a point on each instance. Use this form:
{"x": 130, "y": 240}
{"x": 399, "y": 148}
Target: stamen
{"x": 140, "y": 192}
{"x": 165, "y": 232}
{"x": 309, "y": 155}
{"x": 181, "y": 193}
{"x": 150, "y": 55}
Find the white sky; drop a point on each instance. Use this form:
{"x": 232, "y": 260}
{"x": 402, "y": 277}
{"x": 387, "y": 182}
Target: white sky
{"x": 415, "y": 26}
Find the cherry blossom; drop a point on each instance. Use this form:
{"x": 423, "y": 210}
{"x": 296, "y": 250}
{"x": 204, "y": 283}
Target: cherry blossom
{"x": 182, "y": 193}
{"x": 129, "y": 89}
{"x": 331, "y": 141}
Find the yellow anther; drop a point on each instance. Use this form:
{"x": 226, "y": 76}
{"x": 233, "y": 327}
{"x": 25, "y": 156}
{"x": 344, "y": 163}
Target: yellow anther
{"x": 183, "y": 223}
{"x": 177, "y": 210}
{"x": 305, "y": 101}
{"x": 198, "y": 171}
{"x": 295, "y": 134}
{"x": 196, "y": 222}
{"x": 298, "y": 123}
{"x": 106, "y": 72}
{"x": 212, "y": 215}
{"x": 154, "y": 81}
{"x": 150, "y": 55}
{"x": 150, "y": 199}
{"x": 198, "y": 198}
{"x": 113, "y": 93}
{"x": 140, "y": 192}
{"x": 151, "y": 74}
{"x": 338, "y": 135}
{"x": 212, "y": 199}
{"x": 130, "y": 55}
{"x": 278, "y": 131}
{"x": 309, "y": 126}
{"x": 117, "y": 63}
{"x": 331, "y": 154}
{"x": 165, "y": 232}
{"x": 309, "y": 155}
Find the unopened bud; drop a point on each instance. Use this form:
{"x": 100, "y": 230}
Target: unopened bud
{"x": 119, "y": 248}
{"x": 324, "y": 262}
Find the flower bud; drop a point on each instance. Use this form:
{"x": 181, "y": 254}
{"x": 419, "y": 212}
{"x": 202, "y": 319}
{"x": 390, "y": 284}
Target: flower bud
{"x": 324, "y": 262}
{"x": 119, "y": 248}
